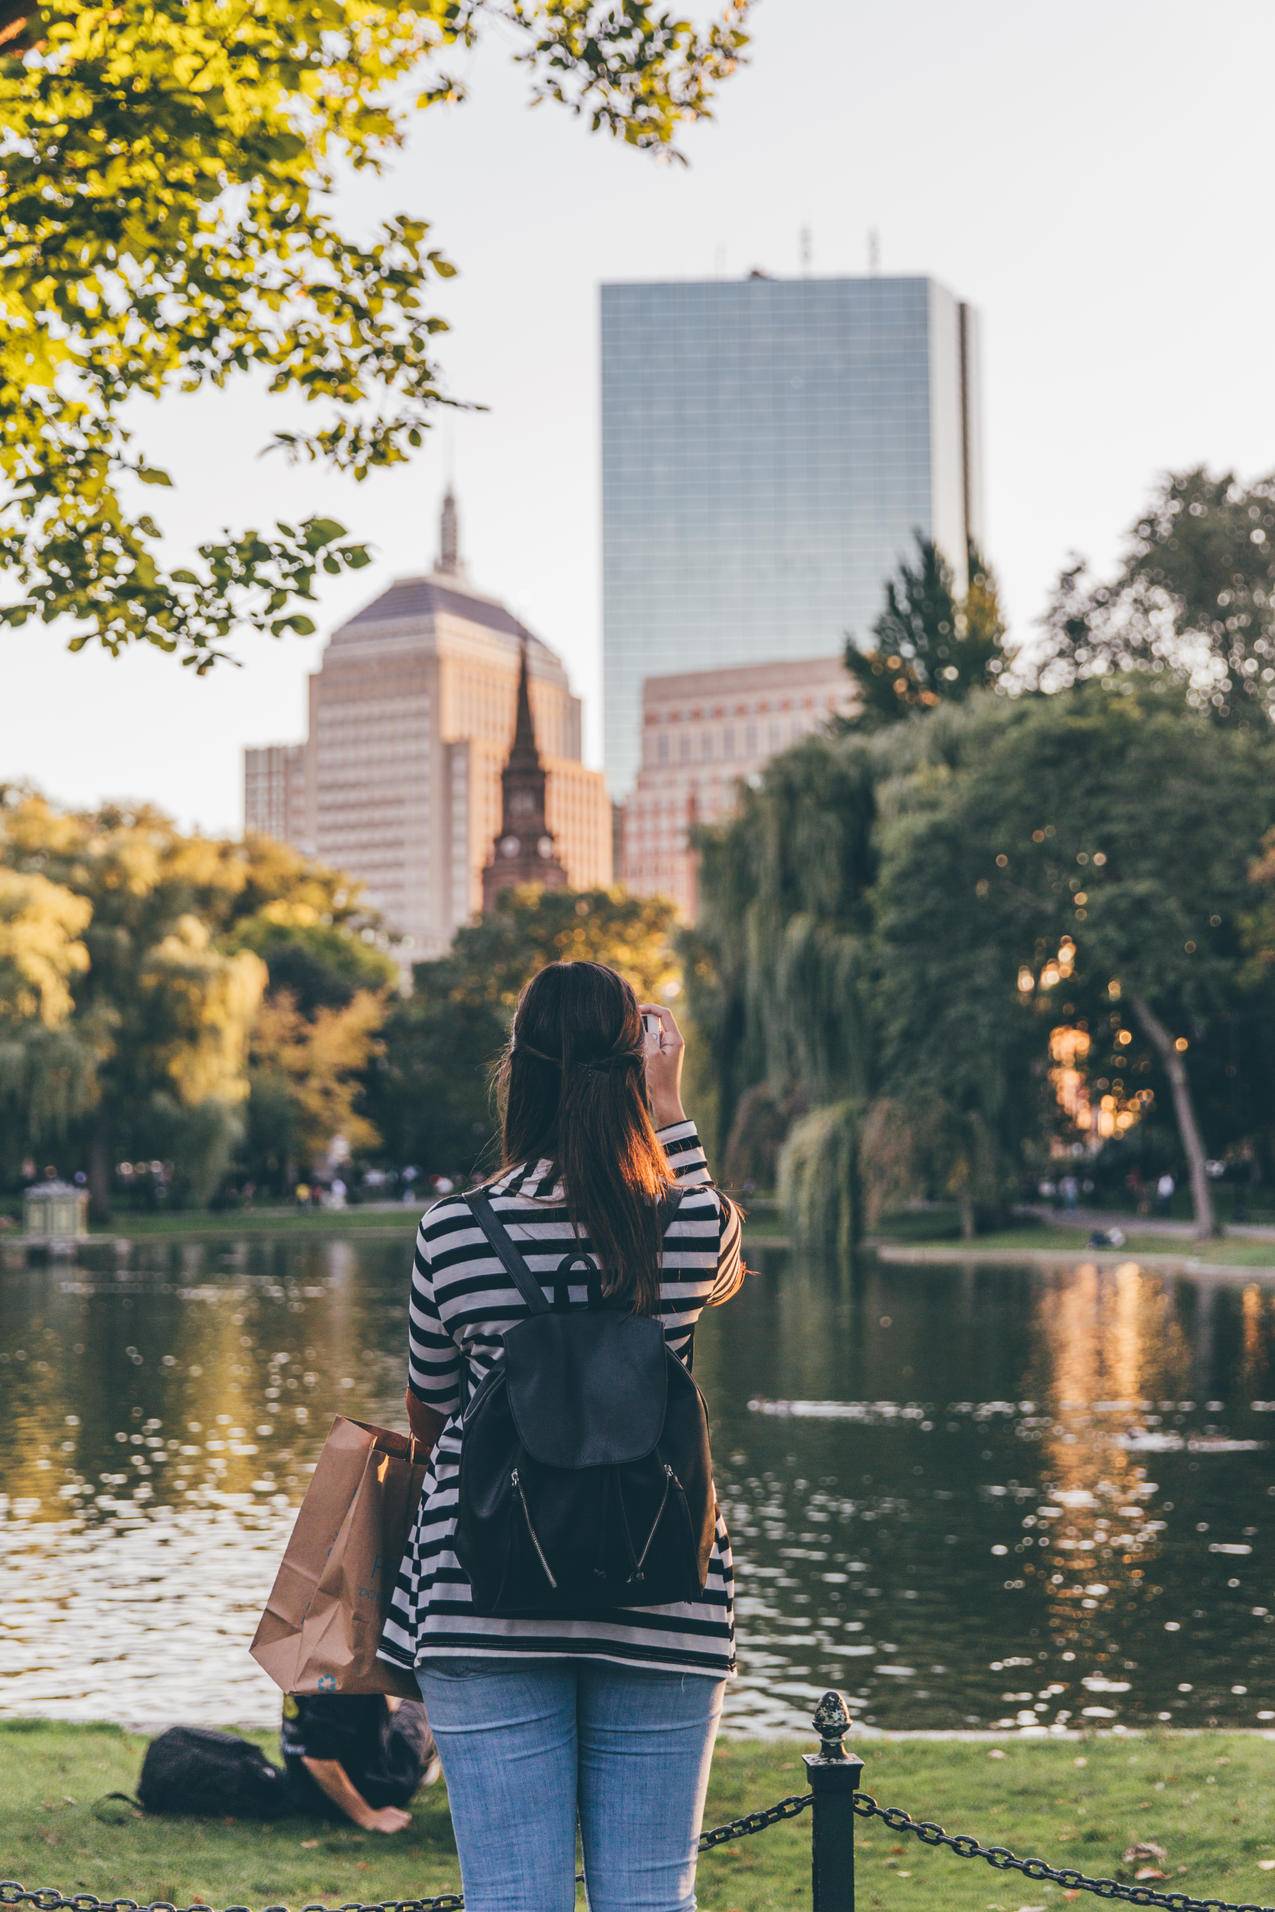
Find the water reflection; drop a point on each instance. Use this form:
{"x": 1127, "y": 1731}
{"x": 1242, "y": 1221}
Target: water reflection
{"x": 970, "y": 1496}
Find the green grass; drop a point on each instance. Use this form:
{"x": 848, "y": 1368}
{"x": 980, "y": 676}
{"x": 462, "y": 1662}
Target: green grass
{"x": 1232, "y": 1251}
{"x": 1203, "y": 1797}
{"x": 200, "y": 1223}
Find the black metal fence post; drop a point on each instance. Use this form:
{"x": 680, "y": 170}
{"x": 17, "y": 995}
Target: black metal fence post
{"x": 834, "y": 1777}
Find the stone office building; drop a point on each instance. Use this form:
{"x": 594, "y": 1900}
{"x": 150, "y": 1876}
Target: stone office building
{"x": 412, "y": 714}
{"x": 703, "y": 733}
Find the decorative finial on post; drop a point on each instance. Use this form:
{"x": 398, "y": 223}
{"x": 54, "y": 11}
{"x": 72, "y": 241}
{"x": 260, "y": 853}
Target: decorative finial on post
{"x": 832, "y": 1722}
{"x": 834, "y": 1774}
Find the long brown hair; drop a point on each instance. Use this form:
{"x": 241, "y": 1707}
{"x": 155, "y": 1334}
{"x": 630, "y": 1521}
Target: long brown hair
{"x": 572, "y": 1088}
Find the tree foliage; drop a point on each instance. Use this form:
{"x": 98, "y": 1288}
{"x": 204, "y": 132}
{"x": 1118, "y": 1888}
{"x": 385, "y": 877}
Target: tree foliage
{"x": 430, "y": 1096}
{"x": 170, "y": 170}
{"x": 41, "y": 951}
{"x": 309, "y": 1073}
{"x": 777, "y": 966}
{"x": 320, "y": 959}
{"x": 818, "y": 1179}
{"x": 131, "y": 993}
{"x": 1193, "y": 599}
{"x": 1074, "y": 869}
{"x": 1096, "y": 861}
{"x": 932, "y": 644}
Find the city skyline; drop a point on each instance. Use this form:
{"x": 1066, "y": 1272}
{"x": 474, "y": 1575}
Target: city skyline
{"x": 1107, "y": 359}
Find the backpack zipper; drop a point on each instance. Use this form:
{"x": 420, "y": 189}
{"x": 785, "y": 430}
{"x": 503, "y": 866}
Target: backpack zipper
{"x": 516, "y": 1482}
{"x": 669, "y": 1478}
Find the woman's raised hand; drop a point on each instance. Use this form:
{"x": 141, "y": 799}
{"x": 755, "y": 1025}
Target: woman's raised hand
{"x": 663, "y": 1062}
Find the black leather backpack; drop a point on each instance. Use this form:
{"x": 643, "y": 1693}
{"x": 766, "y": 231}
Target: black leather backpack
{"x": 191, "y": 1769}
{"x": 585, "y": 1474}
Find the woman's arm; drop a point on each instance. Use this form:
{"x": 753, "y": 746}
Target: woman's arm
{"x": 433, "y": 1358}
{"x": 664, "y": 1090}
{"x": 663, "y": 1064}
{"x": 330, "y": 1776}
{"x": 730, "y": 1253}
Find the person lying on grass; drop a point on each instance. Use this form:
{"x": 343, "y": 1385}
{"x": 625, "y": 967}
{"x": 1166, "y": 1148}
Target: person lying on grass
{"x": 357, "y": 1756}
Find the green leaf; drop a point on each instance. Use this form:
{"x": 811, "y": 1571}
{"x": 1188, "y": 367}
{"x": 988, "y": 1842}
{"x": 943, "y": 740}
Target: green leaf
{"x": 321, "y": 531}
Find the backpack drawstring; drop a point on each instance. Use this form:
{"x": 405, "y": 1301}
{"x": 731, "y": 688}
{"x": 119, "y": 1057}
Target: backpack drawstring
{"x": 608, "y": 1490}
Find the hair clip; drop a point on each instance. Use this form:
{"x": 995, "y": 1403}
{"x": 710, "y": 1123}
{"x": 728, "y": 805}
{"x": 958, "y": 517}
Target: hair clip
{"x": 602, "y": 1065}
{"x": 595, "y": 1065}
{"x": 526, "y": 1049}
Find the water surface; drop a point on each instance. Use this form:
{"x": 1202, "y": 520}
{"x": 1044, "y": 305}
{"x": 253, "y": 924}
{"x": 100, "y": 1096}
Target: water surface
{"x": 969, "y": 1496}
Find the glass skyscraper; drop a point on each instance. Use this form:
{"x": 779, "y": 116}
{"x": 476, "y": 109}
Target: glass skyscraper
{"x": 769, "y": 446}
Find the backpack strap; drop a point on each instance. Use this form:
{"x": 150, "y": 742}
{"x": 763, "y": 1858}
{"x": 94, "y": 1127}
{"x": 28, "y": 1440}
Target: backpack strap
{"x": 516, "y": 1268}
{"x": 670, "y": 1205}
{"x": 512, "y": 1262}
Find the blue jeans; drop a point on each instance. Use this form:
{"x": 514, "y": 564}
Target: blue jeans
{"x": 529, "y": 1745}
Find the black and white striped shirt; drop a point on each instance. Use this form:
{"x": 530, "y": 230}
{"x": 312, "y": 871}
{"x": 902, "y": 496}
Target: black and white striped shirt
{"x": 462, "y": 1302}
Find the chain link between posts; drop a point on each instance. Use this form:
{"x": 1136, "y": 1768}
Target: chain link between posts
{"x": 50, "y": 1899}
{"x": 966, "y": 1846}
{"x": 926, "y": 1831}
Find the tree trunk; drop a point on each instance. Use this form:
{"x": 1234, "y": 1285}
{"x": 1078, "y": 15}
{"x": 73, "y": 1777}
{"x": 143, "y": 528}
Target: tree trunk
{"x": 965, "y": 1203}
{"x": 1184, "y": 1110}
{"x": 100, "y": 1170}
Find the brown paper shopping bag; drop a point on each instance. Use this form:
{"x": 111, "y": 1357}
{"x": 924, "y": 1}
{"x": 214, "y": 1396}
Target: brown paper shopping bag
{"x": 322, "y": 1623}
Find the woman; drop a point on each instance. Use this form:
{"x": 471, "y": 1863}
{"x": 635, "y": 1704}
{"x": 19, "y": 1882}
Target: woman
{"x": 612, "y": 1717}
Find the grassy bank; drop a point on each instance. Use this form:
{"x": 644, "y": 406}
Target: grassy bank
{"x": 1053, "y": 1239}
{"x": 200, "y": 1224}
{"x": 391, "y": 1220}
{"x": 1203, "y": 1797}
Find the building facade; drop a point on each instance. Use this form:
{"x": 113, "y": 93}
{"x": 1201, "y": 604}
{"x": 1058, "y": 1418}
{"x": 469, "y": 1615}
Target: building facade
{"x": 703, "y": 734}
{"x": 524, "y": 850}
{"x": 274, "y": 792}
{"x": 769, "y": 448}
{"x": 411, "y": 716}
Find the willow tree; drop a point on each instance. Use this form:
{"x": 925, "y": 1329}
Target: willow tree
{"x": 779, "y": 965}
{"x": 170, "y": 172}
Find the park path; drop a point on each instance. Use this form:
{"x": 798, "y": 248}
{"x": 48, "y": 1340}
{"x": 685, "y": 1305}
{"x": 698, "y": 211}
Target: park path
{"x": 1172, "y": 1230}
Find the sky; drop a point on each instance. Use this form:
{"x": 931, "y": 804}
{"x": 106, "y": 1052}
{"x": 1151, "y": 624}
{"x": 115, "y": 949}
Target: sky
{"x": 1094, "y": 178}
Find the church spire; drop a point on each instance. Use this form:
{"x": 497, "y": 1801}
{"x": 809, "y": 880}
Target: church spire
{"x": 524, "y": 749}
{"x": 449, "y": 564}
{"x": 524, "y": 850}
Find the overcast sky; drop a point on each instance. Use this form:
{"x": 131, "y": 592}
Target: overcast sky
{"x": 1095, "y": 178}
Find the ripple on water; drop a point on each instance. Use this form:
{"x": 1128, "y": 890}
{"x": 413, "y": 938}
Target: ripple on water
{"x": 1014, "y": 1521}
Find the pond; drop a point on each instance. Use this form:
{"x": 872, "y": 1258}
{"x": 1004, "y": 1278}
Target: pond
{"x": 970, "y": 1496}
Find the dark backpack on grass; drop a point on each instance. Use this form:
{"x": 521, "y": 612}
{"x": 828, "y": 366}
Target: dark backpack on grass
{"x": 190, "y": 1769}
{"x": 585, "y": 1474}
